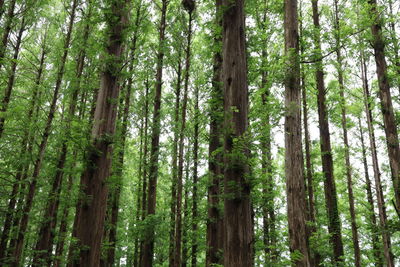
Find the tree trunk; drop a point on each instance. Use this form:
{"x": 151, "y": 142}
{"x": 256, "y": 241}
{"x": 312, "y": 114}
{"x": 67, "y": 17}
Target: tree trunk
{"x": 296, "y": 202}
{"x": 178, "y": 225}
{"x": 92, "y": 207}
{"x": 354, "y": 230}
{"x": 326, "y": 151}
{"x": 389, "y": 120}
{"x": 148, "y": 246}
{"x": 238, "y": 228}
{"x": 11, "y": 78}
{"x": 214, "y": 220}
{"x": 195, "y": 215}
{"x": 378, "y": 185}
{"x": 375, "y": 235}
{"x": 7, "y": 29}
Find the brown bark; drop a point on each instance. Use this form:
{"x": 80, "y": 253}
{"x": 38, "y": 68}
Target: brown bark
{"x": 354, "y": 228}
{"x": 238, "y": 228}
{"x": 195, "y": 177}
{"x": 375, "y": 235}
{"x": 178, "y": 224}
{"x": 175, "y": 164}
{"x": 296, "y": 202}
{"x": 215, "y": 220}
{"x": 378, "y": 185}
{"x": 389, "y": 121}
{"x": 148, "y": 246}
{"x": 92, "y": 207}
{"x": 11, "y": 78}
{"x": 7, "y": 29}
{"x": 17, "y": 251}
{"x": 334, "y": 227}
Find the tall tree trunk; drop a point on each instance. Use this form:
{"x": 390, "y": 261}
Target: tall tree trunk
{"x": 137, "y": 258}
{"x": 11, "y": 78}
{"x": 326, "y": 151}
{"x": 389, "y": 120}
{"x": 148, "y": 246}
{"x": 296, "y": 202}
{"x": 378, "y": 185}
{"x": 214, "y": 220}
{"x": 178, "y": 225}
{"x": 354, "y": 230}
{"x": 375, "y": 236}
{"x": 195, "y": 215}
{"x": 6, "y": 33}
{"x": 238, "y": 228}
{"x": 175, "y": 163}
{"x": 11, "y": 215}
{"x": 43, "y": 144}
{"x": 92, "y": 207}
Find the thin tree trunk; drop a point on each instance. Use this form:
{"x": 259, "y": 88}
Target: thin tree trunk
{"x": 378, "y": 185}
{"x": 7, "y": 29}
{"x": 296, "y": 202}
{"x": 43, "y": 145}
{"x": 354, "y": 230}
{"x": 178, "y": 225}
{"x": 92, "y": 207}
{"x": 148, "y": 246}
{"x": 389, "y": 120}
{"x": 175, "y": 164}
{"x": 195, "y": 177}
{"x": 238, "y": 228}
{"x": 11, "y": 78}
{"x": 375, "y": 235}
{"x": 334, "y": 227}
{"x": 214, "y": 220}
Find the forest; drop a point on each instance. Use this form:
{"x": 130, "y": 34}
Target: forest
{"x": 209, "y": 133}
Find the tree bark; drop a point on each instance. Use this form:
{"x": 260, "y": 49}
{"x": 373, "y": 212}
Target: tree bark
{"x": 296, "y": 202}
{"x": 92, "y": 207}
{"x": 378, "y": 185}
{"x": 11, "y": 78}
{"x": 238, "y": 228}
{"x": 392, "y": 138}
{"x": 372, "y": 217}
{"x": 7, "y": 29}
{"x": 215, "y": 220}
{"x": 334, "y": 227}
{"x": 354, "y": 228}
{"x": 148, "y": 246}
{"x": 195, "y": 215}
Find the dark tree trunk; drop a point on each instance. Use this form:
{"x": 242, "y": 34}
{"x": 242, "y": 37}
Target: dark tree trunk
{"x": 378, "y": 185}
{"x": 17, "y": 251}
{"x": 7, "y": 29}
{"x": 238, "y": 228}
{"x": 178, "y": 224}
{"x": 148, "y": 246}
{"x": 195, "y": 177}
{"x": 354, "y": 228}
{"x": 11, "y": 78}
{"x": 214, "y": 220}
{"x": 389, "y": 120}
{"x": 175, "y": 163}
{"x": 374, "y": 228}
{"x": 92, "y": 207}
{"x": 296, "y": 202}
{"x": 326, "y": 151}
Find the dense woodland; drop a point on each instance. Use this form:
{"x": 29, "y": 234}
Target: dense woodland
{"x": 199, "y": 133}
